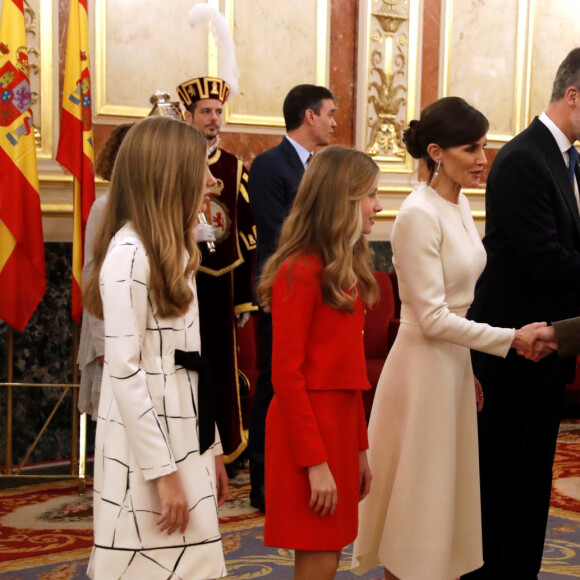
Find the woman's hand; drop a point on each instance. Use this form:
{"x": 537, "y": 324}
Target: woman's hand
{"x": 525, "y": 339}
{"x": 323, "y": 498}
{"x": 174, "y": 509}
{"x": 364, "y": 475}
{"x": 478, "y": 394}
{"x": 221, "y": 477}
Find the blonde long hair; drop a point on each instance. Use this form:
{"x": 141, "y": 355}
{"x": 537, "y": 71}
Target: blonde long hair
{"x": 326, "y": 220}
{"x": 157, "y": 186}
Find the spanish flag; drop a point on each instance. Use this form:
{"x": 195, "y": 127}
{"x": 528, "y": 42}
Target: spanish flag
{"x": 22, "y": 269}
{"x": 75, "y": 145}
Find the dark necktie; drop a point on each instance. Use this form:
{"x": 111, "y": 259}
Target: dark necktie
{"x": 309, "y": 159}
{"x": 572, "y": 161}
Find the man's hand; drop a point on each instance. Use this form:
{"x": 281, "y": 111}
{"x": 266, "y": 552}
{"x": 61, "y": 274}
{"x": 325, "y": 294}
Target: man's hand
{"x": 546, "y": 344}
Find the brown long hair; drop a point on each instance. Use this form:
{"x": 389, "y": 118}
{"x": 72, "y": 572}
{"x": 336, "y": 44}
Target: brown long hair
{"x": 326, "y": 220}
{"x": 105, "y": 160}
{"x": 157, "y": 186}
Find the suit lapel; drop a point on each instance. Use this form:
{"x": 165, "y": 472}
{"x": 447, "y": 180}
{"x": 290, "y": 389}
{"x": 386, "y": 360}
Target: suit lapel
{"x": 293, "y": 157}
{"x": 558, "y": 168}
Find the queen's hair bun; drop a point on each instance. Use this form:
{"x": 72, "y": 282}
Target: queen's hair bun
{"x": 411, "y": 140}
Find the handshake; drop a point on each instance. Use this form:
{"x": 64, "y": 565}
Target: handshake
{"x": 535, "y": 341}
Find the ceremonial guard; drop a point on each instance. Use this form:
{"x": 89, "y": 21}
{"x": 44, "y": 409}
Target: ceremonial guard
{"x": 224, "y": 279}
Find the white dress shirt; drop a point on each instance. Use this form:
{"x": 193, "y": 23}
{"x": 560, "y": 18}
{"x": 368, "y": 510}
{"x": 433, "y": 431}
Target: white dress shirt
{"x": 563, "y": 144}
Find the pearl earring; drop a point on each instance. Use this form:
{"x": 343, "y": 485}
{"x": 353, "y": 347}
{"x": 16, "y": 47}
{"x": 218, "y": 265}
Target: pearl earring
{"x": 437, "y": 169}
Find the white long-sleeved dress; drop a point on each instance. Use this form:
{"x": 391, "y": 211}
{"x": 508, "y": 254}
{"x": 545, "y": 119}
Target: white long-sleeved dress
{"x": 422, "y": 518}
{"x": 147, "y": 428}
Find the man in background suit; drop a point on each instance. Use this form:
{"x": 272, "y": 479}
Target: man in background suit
{"x": 532, "y": 240}
{"x": 273, "y": 182}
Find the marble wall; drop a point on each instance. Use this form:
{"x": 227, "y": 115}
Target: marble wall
{"x": 489, "y": 79}
{"x": 42, "y": 354}
{"x": 509, "y": 75}
{"x": 553, "y": 33}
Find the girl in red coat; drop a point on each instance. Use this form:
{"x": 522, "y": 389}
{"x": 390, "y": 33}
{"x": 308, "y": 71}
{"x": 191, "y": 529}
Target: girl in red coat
{"x": 316, "y": 285}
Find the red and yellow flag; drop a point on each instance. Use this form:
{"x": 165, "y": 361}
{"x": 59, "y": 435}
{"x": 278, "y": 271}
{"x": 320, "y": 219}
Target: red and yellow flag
{"x": 22, "y": 269}
{"x": 75, "y": 145}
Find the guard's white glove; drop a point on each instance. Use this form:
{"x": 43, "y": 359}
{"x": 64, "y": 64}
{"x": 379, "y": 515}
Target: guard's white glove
{"x": 204, "y": 233}
{"x": 243, "y": 318}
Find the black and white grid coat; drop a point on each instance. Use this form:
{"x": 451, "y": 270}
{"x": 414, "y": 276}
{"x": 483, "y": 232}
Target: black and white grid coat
{"x": 147, "y": 428}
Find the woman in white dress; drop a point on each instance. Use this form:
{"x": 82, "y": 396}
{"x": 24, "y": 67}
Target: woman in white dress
{"x": 159, "y": 472}
{"x": 421, "y": 520}
{"x": 91, "y": 356}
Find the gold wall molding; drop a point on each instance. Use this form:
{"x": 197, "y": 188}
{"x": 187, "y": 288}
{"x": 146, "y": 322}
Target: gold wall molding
{"x": 392, "y": 196}
{"x": 508, "y": 76}
{"x": 388, "y": 77}
{"x": 476, "y": 60}
{"x": 102, "y": 107}
{"x": 267, "y": 75}
{"x": 56, "y": 210}
{"x": 149, "y": 47}
{"x": 552, "y": 34}
{"x": 56, "y": 179}
{"x": 267, "y": 61}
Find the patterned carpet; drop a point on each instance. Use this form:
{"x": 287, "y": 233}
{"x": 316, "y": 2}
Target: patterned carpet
{"x": 45, "y": 529}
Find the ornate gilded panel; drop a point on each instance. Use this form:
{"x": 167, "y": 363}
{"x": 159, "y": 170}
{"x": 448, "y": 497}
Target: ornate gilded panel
{"x": 388, "y": 77}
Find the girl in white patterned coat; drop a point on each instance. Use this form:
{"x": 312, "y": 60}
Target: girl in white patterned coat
{"x": 159, "y": 472}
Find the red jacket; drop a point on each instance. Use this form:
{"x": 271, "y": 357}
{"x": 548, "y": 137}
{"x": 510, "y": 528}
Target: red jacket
{"x": 315, "y": 347}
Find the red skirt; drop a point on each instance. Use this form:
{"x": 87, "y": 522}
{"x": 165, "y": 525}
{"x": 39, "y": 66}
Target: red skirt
{"x": 290, "y": 523}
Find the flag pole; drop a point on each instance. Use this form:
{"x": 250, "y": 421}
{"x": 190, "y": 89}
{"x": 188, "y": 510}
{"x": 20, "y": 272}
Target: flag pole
{"x": 74, "y": 454}
{"x": 9, "y": 396}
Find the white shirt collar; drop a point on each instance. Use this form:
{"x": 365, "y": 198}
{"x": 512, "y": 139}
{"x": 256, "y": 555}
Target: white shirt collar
{"x": 211, "y": 150}
{"x": 561, "y": 139}
{"x": 303, "y": 153}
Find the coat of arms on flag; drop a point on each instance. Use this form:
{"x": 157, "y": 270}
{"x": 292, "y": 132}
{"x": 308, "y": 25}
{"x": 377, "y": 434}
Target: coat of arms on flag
{"x": 15, "y": 95}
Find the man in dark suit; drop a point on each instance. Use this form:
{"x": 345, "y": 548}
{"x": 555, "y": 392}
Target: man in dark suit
{"x": 273, "y": 182}
{"x": 532, "y": 240}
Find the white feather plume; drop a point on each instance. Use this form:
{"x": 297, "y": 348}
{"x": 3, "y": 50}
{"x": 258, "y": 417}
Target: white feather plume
{"x": 227, "y": 65}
